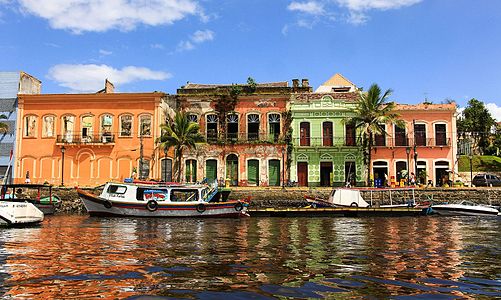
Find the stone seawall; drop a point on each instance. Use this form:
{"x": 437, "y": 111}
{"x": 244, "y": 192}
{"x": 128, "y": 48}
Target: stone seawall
{"x": 294, "y": 197}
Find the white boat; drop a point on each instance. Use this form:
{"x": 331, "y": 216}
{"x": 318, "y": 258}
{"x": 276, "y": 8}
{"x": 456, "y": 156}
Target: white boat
{"x": 19, "y": 213}
{"x": 464, "y": 208}
{"x": 149, "y": 199}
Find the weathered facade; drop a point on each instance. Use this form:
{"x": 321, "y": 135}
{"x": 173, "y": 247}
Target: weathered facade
{"x": 246, "y": 128}
{"x": 12, "y": 84}
{"x": 89, "y": 139}
{"x": 327, "y": 150}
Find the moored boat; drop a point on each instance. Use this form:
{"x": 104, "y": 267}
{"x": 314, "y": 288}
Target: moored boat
{"x": 39, "y": 195}
{"x": 464, "y": 208}
{"x": 15, "y": 212}
{"x": 161, "y": 200}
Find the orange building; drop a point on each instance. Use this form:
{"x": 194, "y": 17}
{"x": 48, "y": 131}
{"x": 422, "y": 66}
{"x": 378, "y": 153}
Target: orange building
{"x": 88, "y": 139}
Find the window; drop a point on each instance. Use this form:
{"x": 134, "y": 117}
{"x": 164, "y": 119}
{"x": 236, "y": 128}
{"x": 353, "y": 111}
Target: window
{"x": 351, "y": 137}
{"x": 191, "y": 170}
{"x": 145, "y": 125}
{"x": 178, "y": 195}
{"x": 126, "y": 125}
{"x": 253, "y": 127}
{"x": 400, "y": 136}
{"x": 420, "y": 134}
{"x": 380, "y": 139}
{"x": 212, "y": 127}
{"x": 193, "y": 118}
{"x": 304, "y": 134}
{"x": 232, "y": 126}
{"x": 30, "y": 126}
{"x": 106, "y": 128}
{"x": 274, "y": 123}
{"x": 68, "y": 126}
{"x": 440, "y": 135}
{"x": 48, "y": 126}
{"x": 327, "y": 133}
{"x": 144, "y": 168}
{"x": 117, "y": 189}
{"x": 87, "y": 128}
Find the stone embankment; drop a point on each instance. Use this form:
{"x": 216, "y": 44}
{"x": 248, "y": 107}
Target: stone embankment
{"x": 294, "y": 197}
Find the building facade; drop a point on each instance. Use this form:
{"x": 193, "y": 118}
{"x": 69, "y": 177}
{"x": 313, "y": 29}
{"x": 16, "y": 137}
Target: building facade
{"x": 246, "y": 129}
{"x": 89, "y": 139}
{"x": 12, "y": 84}
{"x": 327, "y": 150}
{"x": 425, "y": 146}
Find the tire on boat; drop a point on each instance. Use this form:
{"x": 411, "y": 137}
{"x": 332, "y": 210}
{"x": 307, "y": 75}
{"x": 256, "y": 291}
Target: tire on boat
{"x": 354, "y": 204}
{"x": 239, "y": 206}
{"x": 107, "y": 204}
{"x": 201, "y": 208}
{"x": 152, "y": 205}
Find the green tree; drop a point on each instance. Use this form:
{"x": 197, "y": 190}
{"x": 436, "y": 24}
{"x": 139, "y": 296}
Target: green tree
{"x": 181, "y": 134}
{"x": 476, "y": 122}
{"x": 4, "y": 127}
{"x": 372, "y": 111}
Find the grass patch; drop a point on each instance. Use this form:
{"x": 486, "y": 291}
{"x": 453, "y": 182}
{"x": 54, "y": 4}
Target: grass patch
{"x": 484, "y": 163}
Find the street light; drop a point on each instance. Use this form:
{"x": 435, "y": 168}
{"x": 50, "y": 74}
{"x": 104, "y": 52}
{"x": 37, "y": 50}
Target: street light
{"x": 470, "y": 156}
{"x": 63, "y": 149}
{"x": 416, "y": 164}
{"x": 408, "y": 151}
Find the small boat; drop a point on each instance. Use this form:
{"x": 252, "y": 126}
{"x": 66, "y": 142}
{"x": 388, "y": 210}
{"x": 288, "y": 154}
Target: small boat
{"x": 14, "y": 212}
{"x": 464, "y": 208}
{"x": 155, "y": 199}
{"x": 39, "y": 195}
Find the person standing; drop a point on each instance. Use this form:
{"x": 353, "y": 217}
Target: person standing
{"x": 27, "y": 180}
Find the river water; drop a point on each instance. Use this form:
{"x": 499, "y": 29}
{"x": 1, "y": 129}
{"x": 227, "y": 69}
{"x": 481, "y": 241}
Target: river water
{"x": 254, "y": 258}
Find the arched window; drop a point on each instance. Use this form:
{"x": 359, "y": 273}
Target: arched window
{"x": 441, "y": 134}
{"x": 252, "y": 127}
{"x": 212, "y": 120}
{"x": 274, "y": 125}
{"x": 106, "y": 128}
{"x": 193, "y": 118}
{"x": 145, "y": 125}
{"x": 232, "y": 169}
{"x": 232, "y": 126}
{"x": 419, "y": 134}
{"x": 30, "y": 126}
{"x": 191, "y": 170}
{"x": 67, "y": 128}
{"x": 126, "y": 125}
{"x": 48, "y": 126}
{"x": 87, "y": 128}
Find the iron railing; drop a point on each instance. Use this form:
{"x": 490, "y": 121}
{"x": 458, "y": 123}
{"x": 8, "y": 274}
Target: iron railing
{"x": 243, "y": 137}
{"x": 86, "y": 139}
{"x": 440, "y": 141}
{"x": 328, "y": 142}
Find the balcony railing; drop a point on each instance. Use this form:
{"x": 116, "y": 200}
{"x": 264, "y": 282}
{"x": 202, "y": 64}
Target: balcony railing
{"x": 411, "y": 142}
{"x": 328, "y": 142}
{"x": 97, "y": 139}
{"x": 244, "y": 137}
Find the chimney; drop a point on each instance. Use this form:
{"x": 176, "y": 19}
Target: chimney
{"x": 304, "y": 82}
{"x": 109, "y": 88}
{"x": 295, "y": 83}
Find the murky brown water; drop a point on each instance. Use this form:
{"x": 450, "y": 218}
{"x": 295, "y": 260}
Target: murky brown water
{"x": 253, "y": 258}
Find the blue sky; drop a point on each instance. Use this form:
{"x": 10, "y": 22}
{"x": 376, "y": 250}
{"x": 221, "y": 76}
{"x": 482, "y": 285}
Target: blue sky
{"x": 434, "y": 49}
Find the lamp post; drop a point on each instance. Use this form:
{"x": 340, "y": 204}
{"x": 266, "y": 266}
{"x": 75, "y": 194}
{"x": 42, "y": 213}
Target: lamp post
{"x": 470, "y": 156}
{"x": 416, "y": 164}
{"x": 408, "y": 151}
{"x": 165, "y": 164}
{"x": 63, "y": 149}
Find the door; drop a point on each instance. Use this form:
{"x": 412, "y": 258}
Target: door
{"x": 274, "y": 172}
{"x": 304, "y": 134}
{"x": 302, "y": 173}
{"x": 232, "y": 169}
{"x": 253, "y": 172}
{"x": 327, "y": 134}
{"x": 211, "y": 170}
{"x": 350, "y": 177}
{"x": 325, "y": 173}
{"x": 350, "y": 135}
{"x": 166, "y": 170}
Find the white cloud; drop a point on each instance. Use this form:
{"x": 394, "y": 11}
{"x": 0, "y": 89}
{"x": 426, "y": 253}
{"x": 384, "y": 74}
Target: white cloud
{"x": 495, "y": 111}
{"x": 361, "y": 5}
{"x": 102, "y": 15}
{"x": 156, "y": 46}
{"x": 90, "y": 78}
{"x": 105, "y": 52}
{"x": 310, "y": 7}
{"x": 200, "y": 36}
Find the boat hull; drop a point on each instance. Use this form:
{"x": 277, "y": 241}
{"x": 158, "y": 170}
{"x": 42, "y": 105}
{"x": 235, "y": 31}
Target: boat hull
{"x": 16, "y": 213}
{"x": 463, "y": 210}
{"x": 97, "y": 206}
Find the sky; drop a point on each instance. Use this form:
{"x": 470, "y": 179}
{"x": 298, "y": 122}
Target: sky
{"x": 422, "y": 49}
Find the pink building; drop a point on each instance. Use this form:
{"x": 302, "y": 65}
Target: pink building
{"x": 427, "y": 144}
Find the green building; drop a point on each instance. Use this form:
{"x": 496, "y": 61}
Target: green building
{"x": 327, "y": 151}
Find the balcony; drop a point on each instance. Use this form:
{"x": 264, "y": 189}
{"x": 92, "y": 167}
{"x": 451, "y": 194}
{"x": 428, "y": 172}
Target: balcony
{"x": 324, "y": 142}
{"x": 439, "y": 141}
{"x": 244, "y": 137}
{"x": 95, "y": 139}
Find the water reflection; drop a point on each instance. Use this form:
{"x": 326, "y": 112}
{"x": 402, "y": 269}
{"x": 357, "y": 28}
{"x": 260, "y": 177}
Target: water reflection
{"x": 70, "y": 256}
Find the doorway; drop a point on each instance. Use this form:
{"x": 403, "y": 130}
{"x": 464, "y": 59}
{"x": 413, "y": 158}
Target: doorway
{"x": 302, "y": 173}
{"x": 326, "y": 173}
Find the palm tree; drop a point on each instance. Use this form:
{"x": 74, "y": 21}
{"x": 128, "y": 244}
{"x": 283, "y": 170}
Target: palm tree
{"x": 182, "y": 134}
{"x": 371, "y": 112}
{"x": 4, "y": 127}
